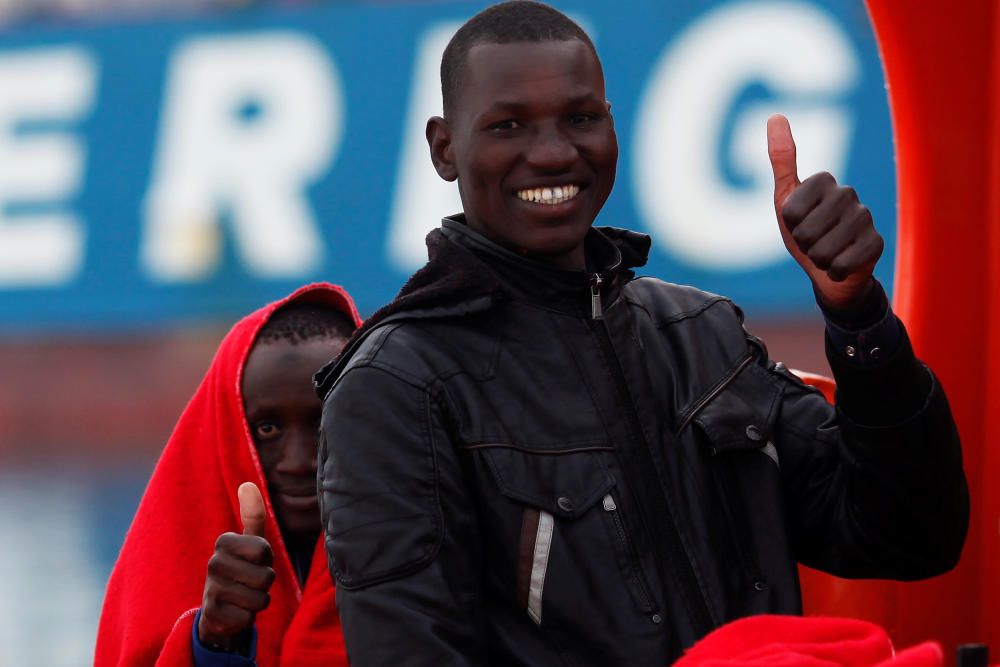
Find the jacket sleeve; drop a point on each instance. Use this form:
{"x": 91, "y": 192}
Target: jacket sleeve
{"x": 401, "y": 536}
{"x": 875, "y": 486}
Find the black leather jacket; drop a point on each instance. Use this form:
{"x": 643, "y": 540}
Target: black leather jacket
{"x": 527, "y": 466}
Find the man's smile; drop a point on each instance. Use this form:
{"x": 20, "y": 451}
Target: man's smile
{"x": 549, "y": 195}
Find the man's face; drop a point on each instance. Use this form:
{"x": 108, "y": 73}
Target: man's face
{"x": 532, "y": 143}
{"x": 284, "y": 412}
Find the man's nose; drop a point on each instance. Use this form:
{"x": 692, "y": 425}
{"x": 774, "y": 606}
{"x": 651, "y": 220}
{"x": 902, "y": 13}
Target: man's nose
{"x": 299, "y": 456}
{"x": 551, "y": 150}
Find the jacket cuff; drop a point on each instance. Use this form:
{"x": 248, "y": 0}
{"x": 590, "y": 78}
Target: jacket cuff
{"x": 869, "y": 346}
{"x": 883, "y": 392}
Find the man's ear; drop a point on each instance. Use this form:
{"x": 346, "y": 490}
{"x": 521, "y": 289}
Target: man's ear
{"x": 439, "y": 141}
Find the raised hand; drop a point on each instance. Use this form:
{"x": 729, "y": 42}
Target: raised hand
{"x": 239, "y": 576}
{"x": 825, "y": 228}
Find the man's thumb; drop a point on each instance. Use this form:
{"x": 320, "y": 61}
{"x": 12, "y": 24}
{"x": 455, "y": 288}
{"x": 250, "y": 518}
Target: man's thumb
{"x": 252, "y": 511}
{"x": 781, "y": 150}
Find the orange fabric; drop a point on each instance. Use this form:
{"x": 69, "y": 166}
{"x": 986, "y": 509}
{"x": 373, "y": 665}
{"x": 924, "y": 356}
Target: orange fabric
{"x": 157, "y": 583}
{"x": 792, "y": 641}
{"x": 821, "y": 382}
{"x": 942, "y": 65}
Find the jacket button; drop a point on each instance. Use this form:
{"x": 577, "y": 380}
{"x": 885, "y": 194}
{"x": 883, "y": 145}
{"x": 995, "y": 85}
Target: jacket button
{"x": 565, "y": 504}
{"x": 656, "y": 618}
{"x": 758, "y": 585}
{"x": 753, "y": 433}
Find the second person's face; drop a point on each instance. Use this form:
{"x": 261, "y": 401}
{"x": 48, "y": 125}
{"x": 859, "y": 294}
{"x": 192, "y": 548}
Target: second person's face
{"x": 533, "y": 146}
{"x": 283, "y": 413}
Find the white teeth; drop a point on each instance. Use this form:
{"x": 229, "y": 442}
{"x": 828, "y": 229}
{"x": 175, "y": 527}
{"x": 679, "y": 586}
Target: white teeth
{"x": 549, "y": 196}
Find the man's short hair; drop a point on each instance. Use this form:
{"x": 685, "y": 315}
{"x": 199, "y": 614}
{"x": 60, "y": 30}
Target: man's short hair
{"x": 504, "y": 23}
{"x": 303, "y": 321}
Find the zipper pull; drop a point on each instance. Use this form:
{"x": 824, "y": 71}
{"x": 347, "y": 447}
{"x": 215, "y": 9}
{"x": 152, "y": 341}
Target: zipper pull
{"x": 596, "y": 310}
{"x": 609, "y": 504}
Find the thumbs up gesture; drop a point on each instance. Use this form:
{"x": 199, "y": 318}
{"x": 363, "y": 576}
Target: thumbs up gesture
{"x": 825, "y": 228}
{"x": 239, "y": 576}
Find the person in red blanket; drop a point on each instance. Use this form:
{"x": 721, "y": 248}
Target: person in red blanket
{"x": 237, "y": 478}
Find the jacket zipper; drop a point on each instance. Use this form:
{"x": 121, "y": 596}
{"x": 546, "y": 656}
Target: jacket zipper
{"x": 677, "y": 557}
{"x": 596, "y": 309}
{"x": 611, "y": 508}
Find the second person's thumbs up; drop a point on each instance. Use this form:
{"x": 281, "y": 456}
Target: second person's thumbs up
{"x": 238, "y": 579}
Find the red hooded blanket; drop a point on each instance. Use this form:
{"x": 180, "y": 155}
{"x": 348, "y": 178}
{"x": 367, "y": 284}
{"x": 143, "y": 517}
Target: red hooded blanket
{"x": 795, "y": 641}
{"x": 156, "y": 586}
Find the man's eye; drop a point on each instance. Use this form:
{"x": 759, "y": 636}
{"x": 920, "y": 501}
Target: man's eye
{"x": 265, "y": 431}
{"x": 504, "y": 125}
{"x": 581, "y": 118}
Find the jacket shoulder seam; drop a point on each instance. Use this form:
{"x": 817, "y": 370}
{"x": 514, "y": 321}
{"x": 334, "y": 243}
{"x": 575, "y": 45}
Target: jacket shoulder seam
{"x": 707, "y": 300}
{"x": 372, "y": 359}
{"x": 403, "y": 376}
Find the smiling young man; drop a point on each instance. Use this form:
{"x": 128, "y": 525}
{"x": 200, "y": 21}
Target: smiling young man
{"x": 532, "y": 186}
{"x": 532, "y": 457}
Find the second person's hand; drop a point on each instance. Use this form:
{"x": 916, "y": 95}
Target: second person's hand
{"x": 239, "y": 576}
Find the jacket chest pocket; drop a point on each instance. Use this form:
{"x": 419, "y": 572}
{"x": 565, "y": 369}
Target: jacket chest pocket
{"x": 569, "y": 545}
{"x": 741, "y": 416}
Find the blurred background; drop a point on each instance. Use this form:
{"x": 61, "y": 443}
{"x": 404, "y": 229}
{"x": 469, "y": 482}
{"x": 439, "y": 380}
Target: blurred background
{"x": 168, "y": 165}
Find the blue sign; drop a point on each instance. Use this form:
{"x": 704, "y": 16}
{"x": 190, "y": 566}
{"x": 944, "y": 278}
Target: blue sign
{"x": 160, "y": 173}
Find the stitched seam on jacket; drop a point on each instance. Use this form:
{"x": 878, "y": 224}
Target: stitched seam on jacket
{"x": 634, "y": 299}
{"x": 694, "y": 312}
{"x": 539, "y": 452}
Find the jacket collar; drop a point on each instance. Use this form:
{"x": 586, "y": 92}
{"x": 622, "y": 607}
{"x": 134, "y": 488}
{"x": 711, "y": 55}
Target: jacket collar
{"x": 610, "y": 253}
{"x": 468, "y": 273}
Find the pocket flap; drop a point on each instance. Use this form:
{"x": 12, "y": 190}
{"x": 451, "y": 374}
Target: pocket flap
{"x": 742, "y": 415}
{"x": 562, "y": 484}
